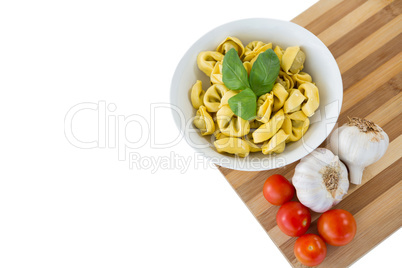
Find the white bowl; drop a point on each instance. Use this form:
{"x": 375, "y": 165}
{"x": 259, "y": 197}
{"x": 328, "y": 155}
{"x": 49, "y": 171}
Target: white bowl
{"x": 320, "y": 64}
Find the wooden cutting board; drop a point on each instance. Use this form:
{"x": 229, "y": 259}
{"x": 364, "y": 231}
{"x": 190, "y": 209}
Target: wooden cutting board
{"x": 366, "y": 40}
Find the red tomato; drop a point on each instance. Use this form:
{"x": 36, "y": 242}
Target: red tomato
{"x": 310, "y": 249}
{"x": 293, "y": 218}
{"x": 278, "y": 190}
{"x": 337, "y": 227}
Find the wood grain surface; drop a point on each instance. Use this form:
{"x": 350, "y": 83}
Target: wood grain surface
{"x": 365, "y": 38}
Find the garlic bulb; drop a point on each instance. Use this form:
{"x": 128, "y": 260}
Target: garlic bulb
{"x": 359, "y": 143}
{"x": 321, "y": 180}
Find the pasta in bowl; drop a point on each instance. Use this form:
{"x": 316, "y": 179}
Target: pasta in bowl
{"x": 294, "y": 109}
{"x": 295, "y": 100}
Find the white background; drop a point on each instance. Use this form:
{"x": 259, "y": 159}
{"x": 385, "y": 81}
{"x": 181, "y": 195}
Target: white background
{"x": 63, "y": 206}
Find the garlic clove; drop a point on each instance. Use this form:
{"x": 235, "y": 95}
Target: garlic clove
{"x": 355, "y": 173}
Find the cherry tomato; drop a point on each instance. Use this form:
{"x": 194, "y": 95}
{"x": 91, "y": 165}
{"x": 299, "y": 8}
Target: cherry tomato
{"x": 310, "y": 249}
{"x": 293, "y": 218}
{"x": 337, "y": 227}
{"x": 278, "y": 190}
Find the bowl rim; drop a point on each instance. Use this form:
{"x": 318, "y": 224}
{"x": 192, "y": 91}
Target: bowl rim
{"x": 176, "y": 75}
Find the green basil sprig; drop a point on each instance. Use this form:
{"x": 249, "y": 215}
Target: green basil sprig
{"x": 234, "y": 75}
{"x": 244, "y": 104}
{"x": 263, "y": 74}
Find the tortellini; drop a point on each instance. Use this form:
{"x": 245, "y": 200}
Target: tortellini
{"x": 265, "y": 104}
{"x": 254, "y": 48}
{"x": 276, "y": 144}
{"x": 197, "y": 95}
{"x": 231, "y": 42}
{"x": 280, "y": 96}
{"x": 206, "y": 61}
{"x": 213, "y": 97}
{"x": 301, "y": 78}
{"x": 266, "y": 131}
{"x": 279, "y": 52}
{"x": 230, "y": 124}
{"x": 313, "y": 100}
{"x": 216, "y": 74}
{"x": 293, "y": 103}
{"x": 282, "y": 114}
{"x": 204, "y": 122}
{"x": 285, "y": 80}
{"x": 295, "y": 125}
{"x": 293, "y": 60}
{"x": 232, "y": 145}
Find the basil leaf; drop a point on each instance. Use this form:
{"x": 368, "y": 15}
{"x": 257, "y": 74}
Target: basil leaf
{"x": 244, "y": 104}
{"x": 264, "y": 72}
{"x": 234, "y": 75}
